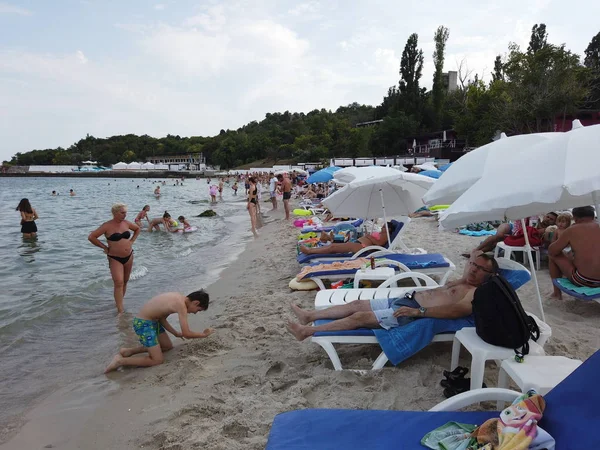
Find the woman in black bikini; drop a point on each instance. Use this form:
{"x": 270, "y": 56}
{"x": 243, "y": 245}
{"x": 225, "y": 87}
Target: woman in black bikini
{"x": 252, "y": 202}
{"x": 28, "y": 218}
{"x": 119, "y": 249}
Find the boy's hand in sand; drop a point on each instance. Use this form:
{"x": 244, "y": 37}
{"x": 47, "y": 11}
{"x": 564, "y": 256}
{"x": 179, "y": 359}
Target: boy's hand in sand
{"x": 208, "y": 332}
{"x": 406, "y": 311}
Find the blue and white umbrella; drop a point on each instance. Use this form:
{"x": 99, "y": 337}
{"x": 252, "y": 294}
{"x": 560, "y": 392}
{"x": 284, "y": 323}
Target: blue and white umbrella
{"x": 323, "y": 175}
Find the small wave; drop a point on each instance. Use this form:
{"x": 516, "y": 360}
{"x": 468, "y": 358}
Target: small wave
{"x": 138, "y": 273}
{"x": 186, "y": 252}
{"x": 195, "y": 202}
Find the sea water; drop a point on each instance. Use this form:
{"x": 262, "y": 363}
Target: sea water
{"x": 58, "y": 322}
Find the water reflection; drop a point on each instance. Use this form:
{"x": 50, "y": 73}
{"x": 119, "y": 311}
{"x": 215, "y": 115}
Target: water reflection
{"x": 28, "y": 248}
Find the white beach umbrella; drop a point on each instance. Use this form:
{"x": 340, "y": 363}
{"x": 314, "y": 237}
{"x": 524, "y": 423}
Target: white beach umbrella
{"x": 119, "y": 166}
{"x": 378, "y": 191}
{"x": 470, "y": 167}
{"x": 557, "y": 174}
{"x": 134, "y": 165}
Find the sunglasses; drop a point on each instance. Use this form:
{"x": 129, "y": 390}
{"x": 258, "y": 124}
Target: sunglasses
{"x": 484, "y": 269}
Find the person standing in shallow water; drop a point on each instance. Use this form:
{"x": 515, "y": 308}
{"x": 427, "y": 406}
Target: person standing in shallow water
{"x": 28, "y": 218}
{"x": 118, "y": 249}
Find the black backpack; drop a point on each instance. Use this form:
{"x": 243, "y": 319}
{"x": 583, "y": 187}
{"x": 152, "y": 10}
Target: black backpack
{"x": 500, "y": 318}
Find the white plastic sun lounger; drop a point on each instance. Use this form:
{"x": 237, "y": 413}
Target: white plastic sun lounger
{"x": 516, "y": 273}
{"x": 396, "y": 246}
{"x": 442, "y": 266}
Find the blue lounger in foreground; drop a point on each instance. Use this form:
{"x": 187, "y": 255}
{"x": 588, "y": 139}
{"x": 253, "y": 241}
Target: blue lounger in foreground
{"x": 572, "y": 415}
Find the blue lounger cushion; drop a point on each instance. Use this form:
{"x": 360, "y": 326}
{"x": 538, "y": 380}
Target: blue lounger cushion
{"x": 354, "y": 223}
{"x": 571, "y": 415}
{"x": 415, "y": 262}
{"x": 305, "y": 259}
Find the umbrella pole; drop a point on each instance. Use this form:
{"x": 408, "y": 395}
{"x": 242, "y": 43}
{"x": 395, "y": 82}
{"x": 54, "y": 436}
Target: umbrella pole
{"x": 596, "y": 204}
{"x": 387, "y": 230}
{"x": 532, "y": 267}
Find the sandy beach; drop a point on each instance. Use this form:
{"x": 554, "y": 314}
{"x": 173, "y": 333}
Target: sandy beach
{"x": 224, "y": 391}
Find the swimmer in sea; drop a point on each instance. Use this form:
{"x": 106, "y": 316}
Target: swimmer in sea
{"x": 184, "y": 222}
{"x": 118, "y": 249}
{"x": 157, "y": 191}
{"x": 71, "y": 192}
{"x": 143, "y": 214}
{"x": 213, "y": 193}
{"x": 28, "y": 218}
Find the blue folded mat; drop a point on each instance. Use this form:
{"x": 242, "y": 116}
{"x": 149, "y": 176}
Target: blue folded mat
{"x": 582, "y": 293}
{"x": 477, "y": 233}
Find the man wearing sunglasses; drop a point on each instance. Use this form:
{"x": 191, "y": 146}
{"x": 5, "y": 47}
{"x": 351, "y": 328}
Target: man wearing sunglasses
{"x": 450, "y": 301}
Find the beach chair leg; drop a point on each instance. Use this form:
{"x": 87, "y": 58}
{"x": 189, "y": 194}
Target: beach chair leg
{"x": 455, "y": 354}
{"x": 380, "y": 361}
{"x": 477, "y": 370}
{"x": 331, "y": 352}
{"x": 502, "y": 383}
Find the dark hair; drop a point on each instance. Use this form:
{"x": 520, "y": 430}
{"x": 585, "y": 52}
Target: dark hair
{"x": 252, "y": 180}
{"x": 146, "y": 206}
{"x": 181, "y": 218}
{"x": 552, "y": 213}
{"x": 24, "y": 206}
{"x": 492, "y": 260}
{"x": 578, "y": 213}
{"x": 199, "y": 296}
{"x": 166, "y": 215}
{"x": 280, "y": 177}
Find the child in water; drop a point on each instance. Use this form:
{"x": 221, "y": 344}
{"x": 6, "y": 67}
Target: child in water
{"x": 184, "y": 223}
{"x": 150, "y": 326}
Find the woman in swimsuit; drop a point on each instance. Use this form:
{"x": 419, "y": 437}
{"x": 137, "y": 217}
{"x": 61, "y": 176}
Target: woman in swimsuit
{"x": 28, "y": 218}
{"x": 252, "y": 202}
{"x": 352, "y": 246}
{"x": 170, "y": 224}
{"x": 118, "y": 249}
{"x": 213, "y": 193}
{"x": 143, "y": 214}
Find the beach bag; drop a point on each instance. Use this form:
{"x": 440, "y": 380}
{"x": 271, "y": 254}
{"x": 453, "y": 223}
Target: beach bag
{"x": 518, "y": 239}
{"x": 500, "y": 319}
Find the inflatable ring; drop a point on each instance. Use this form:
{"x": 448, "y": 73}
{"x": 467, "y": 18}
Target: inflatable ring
{"x": 304, "y": 285}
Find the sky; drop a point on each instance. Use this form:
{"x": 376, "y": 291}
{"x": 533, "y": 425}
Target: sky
{"x": 191, "y": 68}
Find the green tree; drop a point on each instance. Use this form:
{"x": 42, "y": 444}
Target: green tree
{"x": 592, "y": 62}
{"x": 538, "y": 38}
{"x": 498, "y": 69}
{"x": 438, "y": 90}
{"x": 411, "y": 67}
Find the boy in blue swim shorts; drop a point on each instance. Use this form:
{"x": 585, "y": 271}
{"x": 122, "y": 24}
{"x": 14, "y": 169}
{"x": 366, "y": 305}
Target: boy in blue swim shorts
{"x": 151, "y": 325}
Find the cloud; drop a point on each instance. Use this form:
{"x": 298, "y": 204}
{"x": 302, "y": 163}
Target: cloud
{"x": 6, "y": 8}
{"x": 159, "y": 7}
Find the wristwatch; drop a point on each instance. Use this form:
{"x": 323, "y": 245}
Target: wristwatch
{"x": 422, "y": 310}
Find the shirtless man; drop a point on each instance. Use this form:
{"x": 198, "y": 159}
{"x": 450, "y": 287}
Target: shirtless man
{"x": 150, "y": 326}
{"x": 584, "y": 239}
{"x": 451, "y": 301}
{"x": 352, "y": 246}
{"x": 287, "y": 194}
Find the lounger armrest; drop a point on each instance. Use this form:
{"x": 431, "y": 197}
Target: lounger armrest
{"x": 476, "y": 396}
{"x": 415, "y": 276}
{"x": 370, "y": 248}
{"x": 390, "y": 262}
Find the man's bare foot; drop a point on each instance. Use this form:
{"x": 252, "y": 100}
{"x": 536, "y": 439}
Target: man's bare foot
{"x": 255, "y": 234}
{"x": 300, "y": 314}
{"x": 114, "y": 364}
{"x": 299, "y": 331}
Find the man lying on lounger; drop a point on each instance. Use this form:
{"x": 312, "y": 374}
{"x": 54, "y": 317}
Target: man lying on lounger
{"x": 450, "y": 301}
{"x": 352, "y": 246}
{"x": 584, "y": 240}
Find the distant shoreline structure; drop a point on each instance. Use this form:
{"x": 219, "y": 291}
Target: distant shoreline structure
{"x": 112, "y": 174}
